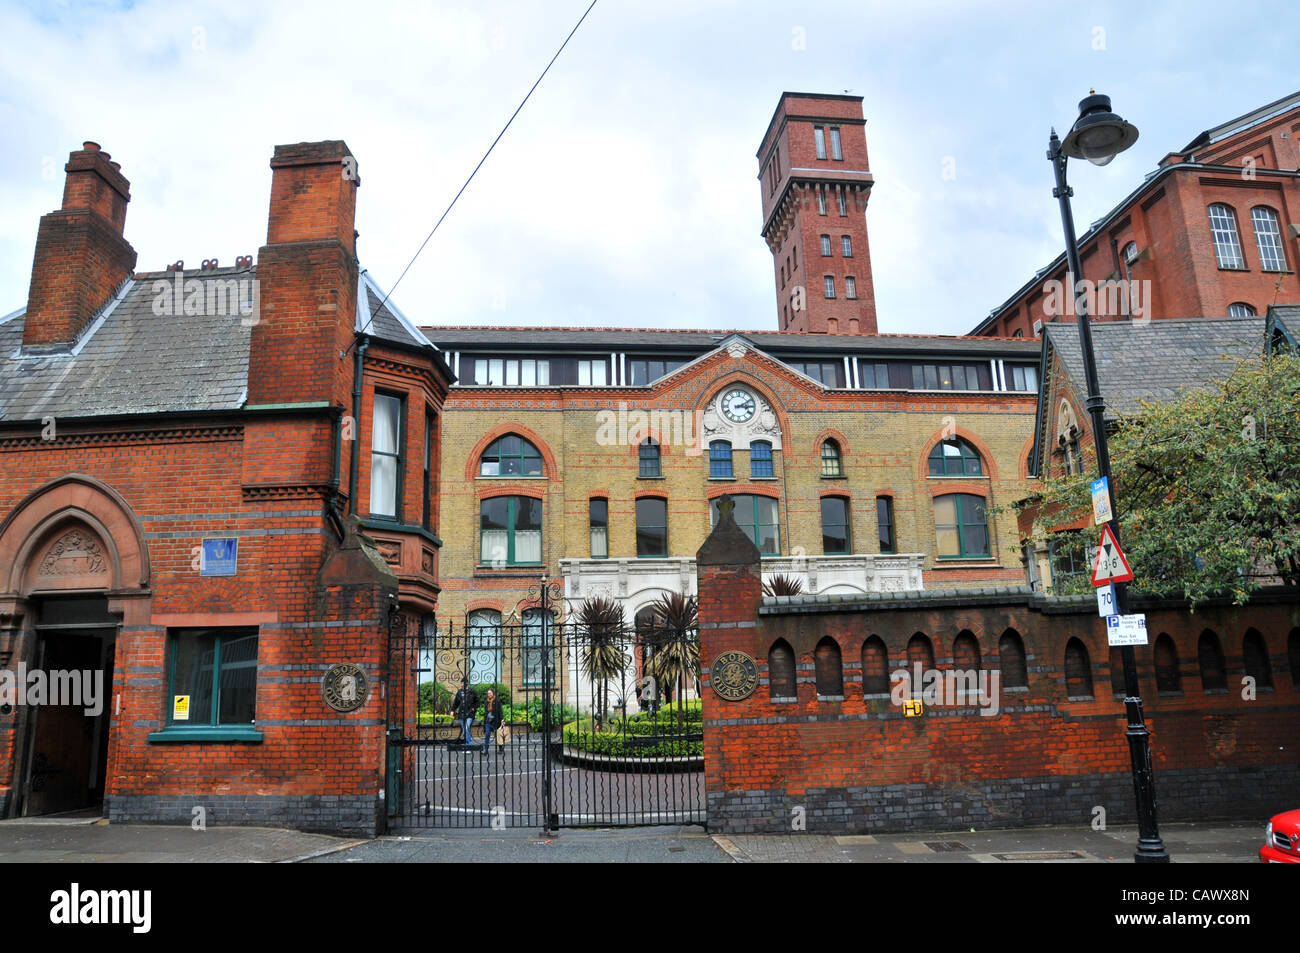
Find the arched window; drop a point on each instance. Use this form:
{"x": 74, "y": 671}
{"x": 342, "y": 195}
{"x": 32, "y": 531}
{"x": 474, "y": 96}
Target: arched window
{"x": 832, "y": 465}
{"x": 1293, "y": 658}
{"x": 875, "y": 667}
{"x": 649, "y": 456}
{"x": 484, "y": 627}
{"x": 1168, "y": 678}
{"x": 1269, "y": 238}
{"x": 1254, "y": 655}
{"x": 1240, "y": 309}
{"x": 966, "y": 652}
{"x": 720, "y": 460}
{"x": 919, "y": 651}
{"x": 760, "y": 459}
{"x": 1209, "y": 656}
{"x": 780, "y": 671}
{"x": 955, "y": 457}
{"x": 1011, "y": 660}
{"x": 829, "y": 670}
{"x": 1116, "y": 664}
{"x": 1018, "y": 333}
{"x": 1078, "y": 671}
{"x": 835, "y": 525}
{"x": 510, "y": 455}
{"x": 1223, "y": 229}
{"x": 1130, "y": 252}
{"x": 961, "y": 525}
{"x": 510, "y": 531}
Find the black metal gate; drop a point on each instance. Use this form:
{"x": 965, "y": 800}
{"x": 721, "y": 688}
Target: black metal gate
{"x": 601, "y": 725}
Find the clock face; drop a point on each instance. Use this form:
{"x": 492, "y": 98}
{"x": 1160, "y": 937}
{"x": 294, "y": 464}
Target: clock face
{"x": 738, "y": 405}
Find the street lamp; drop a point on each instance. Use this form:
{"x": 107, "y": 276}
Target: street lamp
{"x": 1098, "y": 135}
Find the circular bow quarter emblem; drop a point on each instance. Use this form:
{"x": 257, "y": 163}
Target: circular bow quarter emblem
{"x": 734, "y": 676}
{"x": 344, "y": 687}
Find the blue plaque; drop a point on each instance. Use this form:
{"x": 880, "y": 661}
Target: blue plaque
{"x": 220, "y": 557}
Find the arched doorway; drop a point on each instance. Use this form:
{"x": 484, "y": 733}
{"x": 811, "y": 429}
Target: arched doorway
{"x": 74, "y": 563}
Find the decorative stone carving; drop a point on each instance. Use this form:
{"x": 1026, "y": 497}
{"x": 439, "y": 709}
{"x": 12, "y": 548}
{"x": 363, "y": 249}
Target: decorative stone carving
{"x": 390, "y": 551}
{"x": 763, "y": 425}
{"x": 426, "y": 562}
{"x": 75, "y": 553}
{"x": 737, "y": 350}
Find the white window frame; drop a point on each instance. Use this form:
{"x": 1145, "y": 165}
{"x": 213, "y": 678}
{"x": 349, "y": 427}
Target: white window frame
{"x": 819, "y": 137}
{"x": 1227, "y": 241}
{"x": 1268, "y": 238}
{"x": 837, "y": 151}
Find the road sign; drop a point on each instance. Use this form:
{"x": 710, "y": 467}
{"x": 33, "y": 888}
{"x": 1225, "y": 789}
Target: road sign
{"x": 1109, "y": 565}
{"x": 1126, "y": 629}
{"x": 1101, "y": 511}
{"x": 1106, "y": 600}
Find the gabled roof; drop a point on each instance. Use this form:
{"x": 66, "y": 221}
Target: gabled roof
{"x": 1153, "y": 361}
{"x": 131, "y": 360}
{"x": 1234, "y": 126}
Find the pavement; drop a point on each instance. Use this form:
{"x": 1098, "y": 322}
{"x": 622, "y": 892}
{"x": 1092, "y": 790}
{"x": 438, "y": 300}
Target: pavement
{"x": 91, "y": 840}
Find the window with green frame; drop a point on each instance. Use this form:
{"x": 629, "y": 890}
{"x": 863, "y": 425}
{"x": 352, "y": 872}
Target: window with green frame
{"x": 648, "y": 454}
{"x": 211, "y": 684}
{"x": 955, "y": 457}
{"x": 720, "y": 460}
{"x": 885, "y": 523}
{"x": 760, "y": 459}
{"x": 961, "y": 525}
{"x": 758, "y": 516}
{"x": 510, "y": 531}
{"x": 510, "y": 455}
{"x": 835, "y": 526}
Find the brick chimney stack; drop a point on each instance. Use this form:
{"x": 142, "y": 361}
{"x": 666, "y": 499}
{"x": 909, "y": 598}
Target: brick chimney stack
{"x": 307, "y": 276}
{"x": 81, "y": 256}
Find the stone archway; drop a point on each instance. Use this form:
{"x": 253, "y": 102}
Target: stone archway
{"x": 74, "y": 569}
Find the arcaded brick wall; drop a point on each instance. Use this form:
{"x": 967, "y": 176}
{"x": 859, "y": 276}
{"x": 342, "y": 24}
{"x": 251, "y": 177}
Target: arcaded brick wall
{"x": 860, "y": 765}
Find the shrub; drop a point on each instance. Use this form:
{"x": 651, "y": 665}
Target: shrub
{"x": 434, "y": 697}
{"x": 560, "y": 714}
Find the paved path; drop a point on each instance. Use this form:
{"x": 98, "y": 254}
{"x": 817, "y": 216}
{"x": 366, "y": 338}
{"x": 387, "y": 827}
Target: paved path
{"x": 83, "y": 840}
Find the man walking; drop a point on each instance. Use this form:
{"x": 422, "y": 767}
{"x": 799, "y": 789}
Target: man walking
{"x": 464, "y": 705}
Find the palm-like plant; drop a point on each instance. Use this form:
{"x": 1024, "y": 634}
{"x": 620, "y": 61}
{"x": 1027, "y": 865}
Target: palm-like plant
{"x": 675, "y": 640}
{"x": 783, "y": 585}
{"x": 601, "y": 623}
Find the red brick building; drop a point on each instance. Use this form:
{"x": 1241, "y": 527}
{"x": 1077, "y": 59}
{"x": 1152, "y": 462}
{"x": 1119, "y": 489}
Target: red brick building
{"x": 188, "y": 460}
{"x": 1213, "y": 232}
{"x": 816, "y": 181}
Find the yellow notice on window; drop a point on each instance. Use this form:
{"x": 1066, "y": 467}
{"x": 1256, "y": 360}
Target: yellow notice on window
{"x": 180, "y": 708}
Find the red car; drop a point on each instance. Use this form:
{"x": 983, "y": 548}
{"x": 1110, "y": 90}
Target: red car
{"x": 1282, "y": 840}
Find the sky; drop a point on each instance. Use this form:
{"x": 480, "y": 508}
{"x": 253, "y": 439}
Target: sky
{"x": 626, "y": 192}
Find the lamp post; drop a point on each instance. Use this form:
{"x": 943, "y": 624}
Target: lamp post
{"x": 1098, "y": 135}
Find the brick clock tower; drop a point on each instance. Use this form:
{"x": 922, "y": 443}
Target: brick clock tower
{"x": 815, "y": 181}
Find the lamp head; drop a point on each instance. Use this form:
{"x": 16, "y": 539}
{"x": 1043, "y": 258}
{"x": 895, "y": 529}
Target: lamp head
{"x": 1098, "y": 134}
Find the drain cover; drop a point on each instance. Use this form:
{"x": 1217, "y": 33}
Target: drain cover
{"x": 944, "y": 846}
{"x": 1041, "y": 855}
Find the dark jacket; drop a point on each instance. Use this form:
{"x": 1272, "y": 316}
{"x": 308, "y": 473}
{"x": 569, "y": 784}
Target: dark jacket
{"x": 465, "y": 703}
{"x": 493, "y": 715}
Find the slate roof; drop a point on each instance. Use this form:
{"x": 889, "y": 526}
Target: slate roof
{"x": 632, "y": 339}
{"x": 133, "y": 361}
{"x": 1157, "y": 360}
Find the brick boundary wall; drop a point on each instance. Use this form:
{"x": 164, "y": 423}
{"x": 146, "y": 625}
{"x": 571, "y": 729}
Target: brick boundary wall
{"x": 855, "y": 764}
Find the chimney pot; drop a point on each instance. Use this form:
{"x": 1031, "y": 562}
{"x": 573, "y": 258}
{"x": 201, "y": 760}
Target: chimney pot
{"x": 89, "y": 146}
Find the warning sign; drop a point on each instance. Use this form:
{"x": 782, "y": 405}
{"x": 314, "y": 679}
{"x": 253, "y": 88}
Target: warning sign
{"x": 1110, "y": 564}
{"x": 180, "y": 708}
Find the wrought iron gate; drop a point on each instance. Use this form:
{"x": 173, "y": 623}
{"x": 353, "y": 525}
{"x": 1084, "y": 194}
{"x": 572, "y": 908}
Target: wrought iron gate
{"x": 602, "y": 726}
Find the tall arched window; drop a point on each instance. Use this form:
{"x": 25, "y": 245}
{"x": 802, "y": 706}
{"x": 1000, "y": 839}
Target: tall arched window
{"x": 1223, "y": 229}
{"x": 780, "y": 671}
{"x": 875, "y": 667}
{"x": 831, "y": 462}
{"x": 1268, "y": 237}
{"x": 829, "y": 668}
{"x": 1293, "y": 658}
{"x": 1209, "y": 656}
{"x": 919, "y": 651}
{"x": 1168, "y": 678}
{"x": 649, "y": 457}
{"x": 720, "y": 460}
{"x": 510, "y": 455}
{"x": 1078, "y": 671}
{"x": 955, "y": 457}
{"x": 961, "y": 525}
{"x": 1254, "y": 655}
{"x": 1011, "y": 660}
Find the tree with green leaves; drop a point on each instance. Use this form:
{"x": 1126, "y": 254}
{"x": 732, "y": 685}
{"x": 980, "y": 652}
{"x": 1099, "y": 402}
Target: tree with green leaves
{"x": 1207, "y": 487}
{"x": 675, "y": 641}
{"x": 602, "y": 631}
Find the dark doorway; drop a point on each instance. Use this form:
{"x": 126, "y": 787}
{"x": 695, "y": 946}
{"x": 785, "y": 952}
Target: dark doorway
{"x": 67, "y": 752}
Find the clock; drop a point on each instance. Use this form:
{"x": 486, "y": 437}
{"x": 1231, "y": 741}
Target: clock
{"x": 738, "y": 405}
